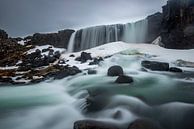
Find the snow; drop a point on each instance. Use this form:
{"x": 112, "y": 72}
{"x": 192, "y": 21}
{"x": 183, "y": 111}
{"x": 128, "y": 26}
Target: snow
{"x": 151, "y": 51}
{"x": 45, "y": 47}
{"x": 22, "y": 42}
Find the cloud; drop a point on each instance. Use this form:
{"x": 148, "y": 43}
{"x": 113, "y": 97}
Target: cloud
{"x": 23, "y": 17}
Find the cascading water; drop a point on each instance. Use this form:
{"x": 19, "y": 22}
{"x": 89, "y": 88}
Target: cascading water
{"x": 135, "y": 32}
{"x": 71, "y": 43}
{"x": 58, "y": 104}
{"x": 95, "y": 36}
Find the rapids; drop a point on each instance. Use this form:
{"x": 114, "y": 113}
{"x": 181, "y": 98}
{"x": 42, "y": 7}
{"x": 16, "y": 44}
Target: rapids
{"x": 57, "y": 104}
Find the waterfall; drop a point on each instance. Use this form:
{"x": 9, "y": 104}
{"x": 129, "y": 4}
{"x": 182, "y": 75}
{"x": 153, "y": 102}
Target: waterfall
{"x": 94, "y": 36}
{"x": 71, "y": 43}
{"x": 135, "y": 32}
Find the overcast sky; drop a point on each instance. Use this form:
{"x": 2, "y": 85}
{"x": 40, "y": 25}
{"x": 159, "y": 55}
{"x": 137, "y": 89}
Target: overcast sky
{"x": 23, "y": 17}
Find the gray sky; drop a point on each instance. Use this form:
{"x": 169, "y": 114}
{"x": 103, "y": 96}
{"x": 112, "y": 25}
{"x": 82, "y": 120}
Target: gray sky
{"x": 23, "y": 17}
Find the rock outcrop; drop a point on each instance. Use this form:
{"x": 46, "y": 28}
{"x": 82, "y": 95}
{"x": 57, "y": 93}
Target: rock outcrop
{"x": 3, "y": 34}
{"x": 178, "y": 24}
{"x": 59, "y": 39}
{"x": 20, "y": 66}
{"x": 154, "y": 27}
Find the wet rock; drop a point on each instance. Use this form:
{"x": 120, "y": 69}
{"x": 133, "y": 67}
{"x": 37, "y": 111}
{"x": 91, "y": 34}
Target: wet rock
{"x": 96, "y": 61}
{"x": 91, "y": 124}
{"x": 143, "y": 124}
{"x": 174, "y": 69}
{"x": 115, "y": 71}
{"x": 124, "y": 79}
{"x": 182, "y": 63}
{"x": 64, "y": 71}
{"x": 84, "y": 57}
{"x": 72, "y": 55}
{"x": 155, "y": 66}
{"x": 91, "y": 71}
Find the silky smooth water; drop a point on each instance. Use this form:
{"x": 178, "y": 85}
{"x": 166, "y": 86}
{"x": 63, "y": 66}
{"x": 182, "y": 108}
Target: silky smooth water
{"x": 94, "y": 36}
{"x": 58, "y": 104}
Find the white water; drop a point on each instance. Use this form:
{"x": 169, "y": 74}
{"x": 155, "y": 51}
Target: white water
{"x": 135, "y": 32}
{"x": 95, "y": 36}
{"x": 71, "y": 43}
{"x": 58, "y": 104}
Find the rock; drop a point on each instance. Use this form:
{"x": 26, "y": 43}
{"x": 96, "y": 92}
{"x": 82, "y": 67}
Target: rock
{"x": 61, "y": 61}
{"x": 96, "y": 61}
{"x": 72, "y": 55}
{"x": 59, "y": 39}
{"x": 64, "y": 71}
{"x": 51, "y": 52}
{"x": 182, "y": 63}
{"x": 124, "y": 79}
{"x": 174, "y": 69}
{"x": 10, "y": 52}
{"x": 91, "y": 71}
{"x": 91, "y": 124}
{"x": 51, "y": 59}
{"x": 6, "y": 80}
{"x": 154, "y": 27}
{"x": 155, "y": 66}
{"x": 45, "y": 50}
{"x": 84, "y": 57}
{"x": 57, "y": 54}
{"x": 24, "y": 68}
{"x": 115, "y": 71}
{"x": 177, "y": 24}
{"x": 3, "y": 34}
{"x": 143, "y": 124}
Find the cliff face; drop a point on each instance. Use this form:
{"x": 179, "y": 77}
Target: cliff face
{"x": 154, "y": 27}
{"x": 178, "y": 24}
{"x": 59, "y": 39}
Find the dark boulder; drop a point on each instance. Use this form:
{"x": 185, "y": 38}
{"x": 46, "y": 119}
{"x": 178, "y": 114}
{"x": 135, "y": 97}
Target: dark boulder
{"x": 144, "y": 124}
{"x": 61, "y": 61}
{"x": 115, "y": 71}
{"x": 45, "y": 50}
{"x": 96, "y": 61}
{"x": 91, "y": 124}
{"x": 84, "y": 57}
{"x": 91, "y": 71}
{"x": 174, "y": 69}
{"x": 155, "y": 66}
{"x": 65, "y": 71}
{"x": 57, "y": 54}
{"x": 124, "y": 79}
{"x": 51, "y": 52}
{"x": 72, "y": 55}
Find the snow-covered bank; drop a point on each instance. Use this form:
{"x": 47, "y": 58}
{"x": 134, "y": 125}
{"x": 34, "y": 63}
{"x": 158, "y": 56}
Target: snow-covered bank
{"x": 148, "y": 50}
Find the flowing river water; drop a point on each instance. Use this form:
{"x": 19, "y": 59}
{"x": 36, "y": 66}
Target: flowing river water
{"x": 57, "y": 104}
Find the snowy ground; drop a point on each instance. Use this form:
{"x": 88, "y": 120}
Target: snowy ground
{"x": 156, "y": 52}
